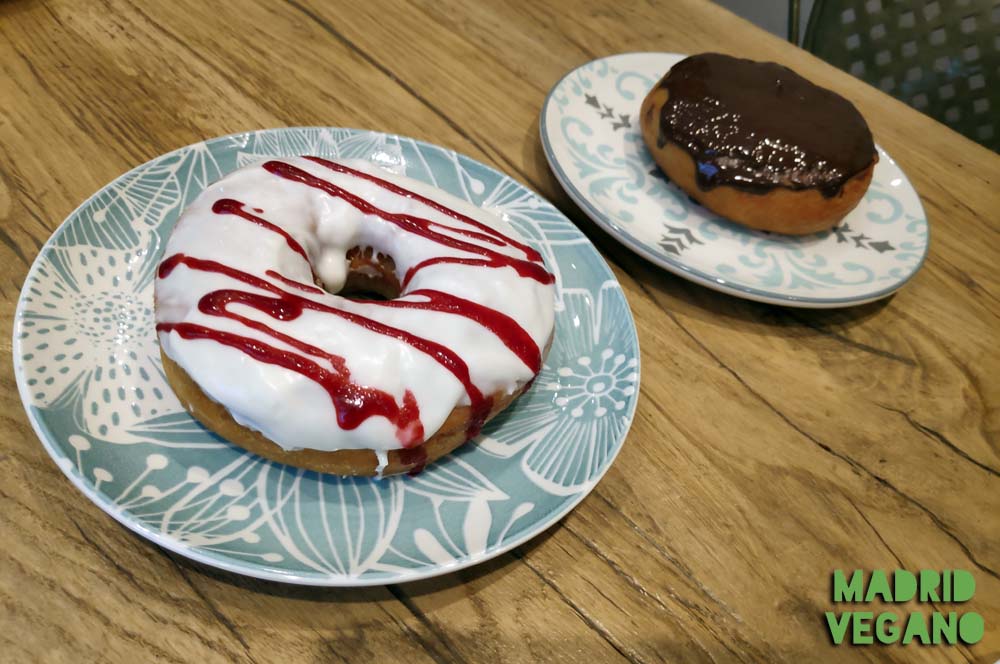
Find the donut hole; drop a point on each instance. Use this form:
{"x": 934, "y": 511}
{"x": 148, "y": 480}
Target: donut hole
{"x": 370, "y": 276}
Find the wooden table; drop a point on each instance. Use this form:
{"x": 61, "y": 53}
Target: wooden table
{"x": 770, "y": 446}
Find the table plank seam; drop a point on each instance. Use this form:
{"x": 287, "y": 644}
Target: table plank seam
{"x": 696, "y": 610}
{"x": 330, "y": 647}
{"x": 858, "y": 467}
{"x": 219, "y": 616}
{"x": 76, "y": 117}
{"x": 847, "y": 341}
{"x": 367, "y": 57}
{"x": 414, "y": 636}
{"x": 958, "y": 202}
{"x": 674, "y": 560}
{"x": 411, "y": 606}
{"x": 110, "y": 625}
{"x": 941, "y": 438}
{"x": 103, "y": 554}
{"x": 963, "y": 278}
{"x": 595, "y": 626}
{"x": 207, "y": 61}
{"x": 494, "y": 154}
{"x": 46, "y": 226}
{"x": 55, "y": 17}
{"x": 16, "y": 607}
{"x": 9, "y": 241}
{"x": 853, "y": 463}
{"x": 961, "y": 647}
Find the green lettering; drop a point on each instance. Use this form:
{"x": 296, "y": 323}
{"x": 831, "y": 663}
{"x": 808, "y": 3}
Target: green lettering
{"x": 946, "y": 585}
{"x": 915, "y": 626}
{"x": 964, "y": 586}
{"x": 862, "y": 632}
{"x": 838, "y": 625}
{"x": 970, "y": 628}
{"x": 844, "y": 591}
{"x": 878, "y": 585}
{"x": 904, "y": 585}
{"x": 886, "y": 634}
{"x": 946, "y": 627}
{"x": 929, "y": 580}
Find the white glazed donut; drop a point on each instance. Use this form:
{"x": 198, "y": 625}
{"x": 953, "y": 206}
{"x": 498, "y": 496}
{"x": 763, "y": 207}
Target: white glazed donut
{"x": 241, "y": 316}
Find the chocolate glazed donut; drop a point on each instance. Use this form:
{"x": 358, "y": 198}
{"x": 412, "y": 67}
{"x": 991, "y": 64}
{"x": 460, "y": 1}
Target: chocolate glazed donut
{"x": 758, "y": 144}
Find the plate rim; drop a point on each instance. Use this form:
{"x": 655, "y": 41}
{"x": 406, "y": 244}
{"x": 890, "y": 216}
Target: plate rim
{"x": 686, "y": 271}
{"x": 265, "y": 572}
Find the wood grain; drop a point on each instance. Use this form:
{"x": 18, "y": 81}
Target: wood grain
{"x": 770, "y": 445}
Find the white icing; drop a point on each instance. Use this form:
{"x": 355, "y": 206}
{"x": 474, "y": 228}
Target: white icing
{"x": 383, "y": 462}
{"x": 289, "y": 408}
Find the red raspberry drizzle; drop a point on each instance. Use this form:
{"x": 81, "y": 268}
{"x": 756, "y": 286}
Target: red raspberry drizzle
{"x": 417, "y": 225}
{"x": 354, "y": 403}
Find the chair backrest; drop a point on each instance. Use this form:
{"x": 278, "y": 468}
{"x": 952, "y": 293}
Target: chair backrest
{"x": 941, "y": 57}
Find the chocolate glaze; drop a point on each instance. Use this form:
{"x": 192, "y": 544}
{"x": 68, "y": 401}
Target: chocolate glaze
{"x": 759, "y": 125}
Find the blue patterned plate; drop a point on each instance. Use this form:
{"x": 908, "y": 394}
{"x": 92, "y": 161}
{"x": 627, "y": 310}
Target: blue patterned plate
{"x": 593, "y": 142}
{"x": 89, "y": 374}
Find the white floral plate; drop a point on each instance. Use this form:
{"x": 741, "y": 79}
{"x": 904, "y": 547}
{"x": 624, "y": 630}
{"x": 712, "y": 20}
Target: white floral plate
{"x": 88, "y": 370}
{"x": 592, "y": 140}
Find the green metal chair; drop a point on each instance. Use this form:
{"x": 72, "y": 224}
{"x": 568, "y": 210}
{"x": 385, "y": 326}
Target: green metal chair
{"x": 941, "y": 57}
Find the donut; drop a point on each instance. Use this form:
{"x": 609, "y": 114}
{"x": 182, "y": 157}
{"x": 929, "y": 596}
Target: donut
{"x": 340, "y": 318}
{"x": 758, "y": 144}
